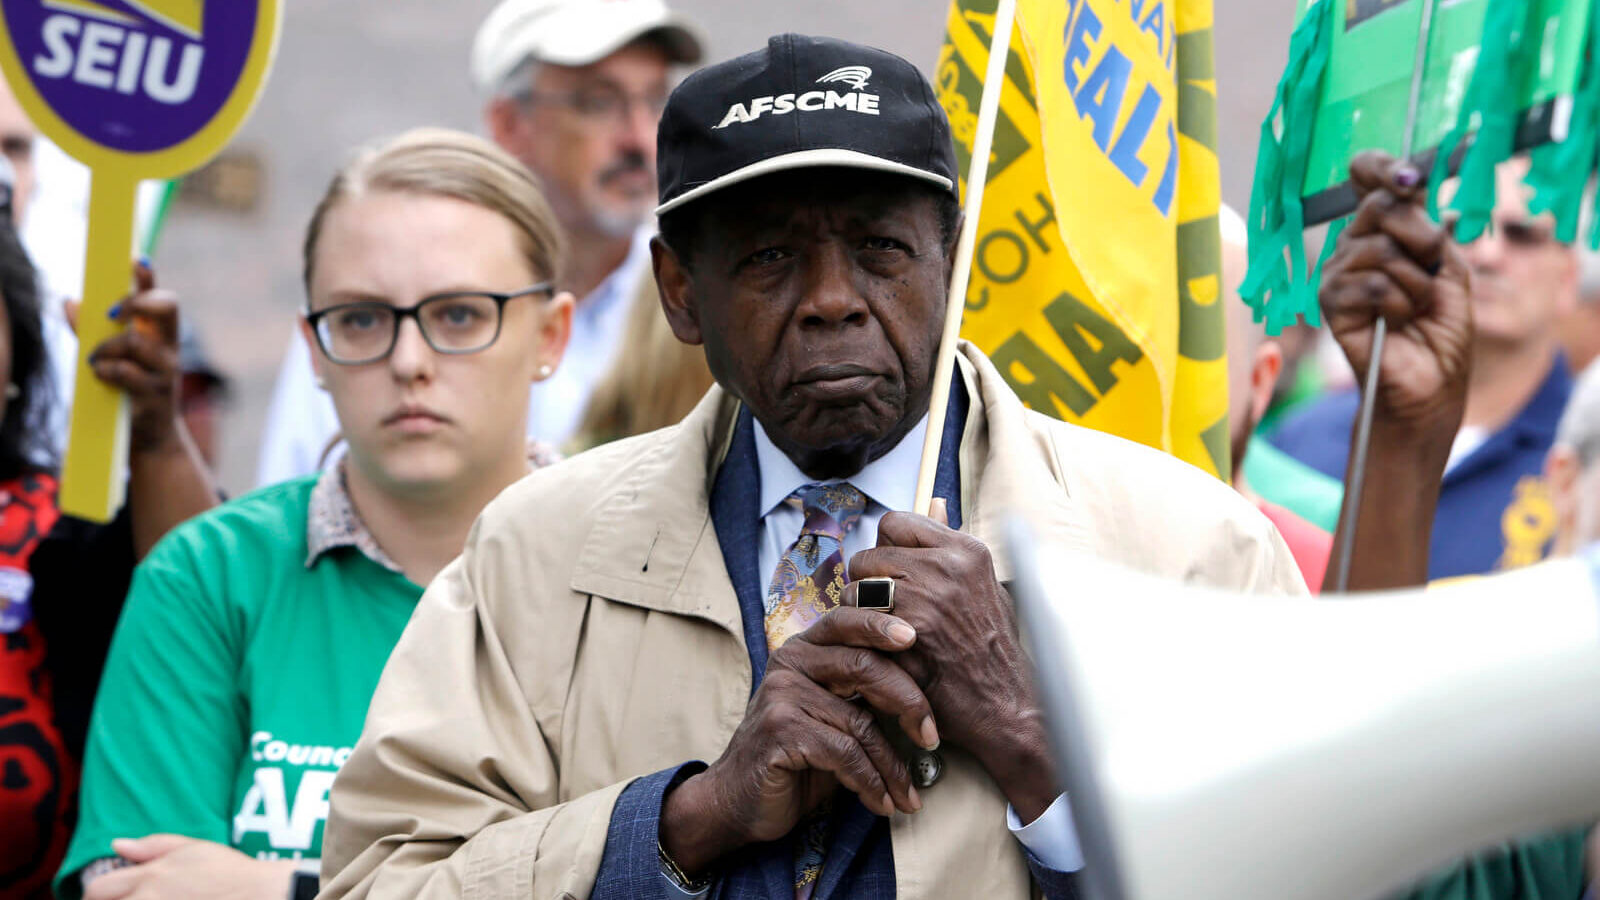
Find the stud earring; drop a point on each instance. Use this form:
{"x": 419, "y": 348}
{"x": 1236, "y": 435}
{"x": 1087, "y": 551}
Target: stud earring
{"x": 544, "y": 371}
{"x": 322, "y": 383}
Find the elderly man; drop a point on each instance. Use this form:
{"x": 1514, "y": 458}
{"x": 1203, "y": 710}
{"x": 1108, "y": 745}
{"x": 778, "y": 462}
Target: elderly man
{"x": 648, "y": 674}
{"x": 574, "y": 89}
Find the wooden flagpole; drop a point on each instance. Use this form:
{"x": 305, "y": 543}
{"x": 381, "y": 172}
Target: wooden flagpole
{"x": 977, "y": 176}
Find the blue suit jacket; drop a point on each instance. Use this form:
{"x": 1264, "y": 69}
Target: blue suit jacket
{"x": 860, "y": 861}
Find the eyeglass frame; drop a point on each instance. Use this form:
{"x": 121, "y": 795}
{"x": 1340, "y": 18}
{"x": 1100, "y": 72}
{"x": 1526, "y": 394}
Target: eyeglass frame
{"x": 572, "y": 100}
{"x": 402, "y": 313}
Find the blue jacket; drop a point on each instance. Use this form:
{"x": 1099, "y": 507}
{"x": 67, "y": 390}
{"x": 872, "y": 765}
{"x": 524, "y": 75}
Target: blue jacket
{"x": 1494, "y": 507}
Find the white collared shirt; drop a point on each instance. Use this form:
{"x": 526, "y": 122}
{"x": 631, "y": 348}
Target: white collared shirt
{"x": 889, "y": 482}
{"x": 598, "y": 322}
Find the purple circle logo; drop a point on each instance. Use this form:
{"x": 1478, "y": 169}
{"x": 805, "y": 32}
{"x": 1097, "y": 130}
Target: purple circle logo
{"x": 135, "y": 76}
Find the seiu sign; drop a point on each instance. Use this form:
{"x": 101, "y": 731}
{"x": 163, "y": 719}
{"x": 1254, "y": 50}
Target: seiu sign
{"x": 111, "y": 57}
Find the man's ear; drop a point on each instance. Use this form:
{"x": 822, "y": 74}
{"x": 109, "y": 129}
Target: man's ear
{"x": 1561, "y": 471}
{"x": 501, "y": 117}
{"x": 952, "y": 244}
{"x": 1571, "y": 281}
{"x": 675, "y": 284}
{"x": 1264, "y": 372}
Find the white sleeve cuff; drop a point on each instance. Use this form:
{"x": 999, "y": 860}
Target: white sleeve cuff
{"x": 1051, "y": 837}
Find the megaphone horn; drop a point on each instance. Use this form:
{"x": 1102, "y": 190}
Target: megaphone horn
{"x": 1219, "y": 746}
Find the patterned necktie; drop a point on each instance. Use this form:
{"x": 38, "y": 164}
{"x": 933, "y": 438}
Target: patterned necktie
{"x": 810, "y": 577}
{"x": 809, "y": 581}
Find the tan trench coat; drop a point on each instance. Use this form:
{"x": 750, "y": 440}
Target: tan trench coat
{"x": 590, "y": 634}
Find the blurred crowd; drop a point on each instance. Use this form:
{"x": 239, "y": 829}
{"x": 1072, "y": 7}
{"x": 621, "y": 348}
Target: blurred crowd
{"x": 179, "y": 686}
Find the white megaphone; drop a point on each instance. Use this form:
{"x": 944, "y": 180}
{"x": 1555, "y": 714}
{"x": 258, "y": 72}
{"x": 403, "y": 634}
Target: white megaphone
{"x": 1218, "y": 746}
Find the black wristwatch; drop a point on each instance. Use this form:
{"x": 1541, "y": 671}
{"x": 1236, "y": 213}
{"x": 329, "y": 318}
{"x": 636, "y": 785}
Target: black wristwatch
{"x": 304, "y": 885}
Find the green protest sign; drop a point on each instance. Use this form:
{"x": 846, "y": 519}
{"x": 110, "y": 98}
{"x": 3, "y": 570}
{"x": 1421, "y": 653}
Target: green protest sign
{"x": 1460, "y": 85}
{"x": 1366, "y": 90}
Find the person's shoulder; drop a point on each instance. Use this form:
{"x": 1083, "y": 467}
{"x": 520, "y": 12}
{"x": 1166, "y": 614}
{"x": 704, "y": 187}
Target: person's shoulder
{"x": 266, "y": 521}
{"x": 1336, "y": 407}
{"x": 578, "y": 482}
{"x": 1099, "y": 462}
{"x": 1319, "y": 427}
{"x": 1149, "y": 510}
{"x": 211, "y": 575}
{"x": 545, "y": 518}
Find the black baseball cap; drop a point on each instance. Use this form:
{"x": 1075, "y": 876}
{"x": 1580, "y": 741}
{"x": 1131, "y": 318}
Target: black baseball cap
{"x": 801, "y": 102}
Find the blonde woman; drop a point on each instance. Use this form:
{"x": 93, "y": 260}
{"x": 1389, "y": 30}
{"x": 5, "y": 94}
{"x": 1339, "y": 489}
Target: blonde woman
{"x": 254, "y": 635}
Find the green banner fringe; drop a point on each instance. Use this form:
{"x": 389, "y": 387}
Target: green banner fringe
{"x": 1560, "y": 173}
{"x": 1277, "y": 289}
{"x": 1489, "y": 114}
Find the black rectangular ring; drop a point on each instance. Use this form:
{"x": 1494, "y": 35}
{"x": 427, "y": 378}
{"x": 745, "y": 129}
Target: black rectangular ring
{"x": 875, "y": 593}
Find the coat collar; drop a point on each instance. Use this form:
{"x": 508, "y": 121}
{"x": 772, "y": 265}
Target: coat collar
{"x": 1533, "y": 427}
{"x": 1012, "y": 465}
{"x": 653, "y": 544}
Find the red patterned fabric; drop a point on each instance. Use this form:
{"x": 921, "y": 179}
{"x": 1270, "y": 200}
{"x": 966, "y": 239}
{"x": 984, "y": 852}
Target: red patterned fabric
{"x": 37, "y": 778}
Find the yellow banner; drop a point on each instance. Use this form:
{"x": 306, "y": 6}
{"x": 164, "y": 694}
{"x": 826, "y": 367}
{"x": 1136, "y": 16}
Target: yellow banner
{"x": 1096, "y": 281}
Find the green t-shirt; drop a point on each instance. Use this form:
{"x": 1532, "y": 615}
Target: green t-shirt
{"x": 1545, "y": 867}
{"x": 237, "y": 683}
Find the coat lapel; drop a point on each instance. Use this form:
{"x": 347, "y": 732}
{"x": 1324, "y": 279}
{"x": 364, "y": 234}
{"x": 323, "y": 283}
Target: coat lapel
{"x": 1010, "y": 469}
{"x": 736, "y": 515}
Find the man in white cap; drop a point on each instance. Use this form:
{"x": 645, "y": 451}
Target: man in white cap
{"x": 574, "y": 89}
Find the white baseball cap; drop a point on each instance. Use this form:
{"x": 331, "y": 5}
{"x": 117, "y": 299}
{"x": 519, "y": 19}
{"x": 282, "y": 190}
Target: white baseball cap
{"x": 573, "y": 33}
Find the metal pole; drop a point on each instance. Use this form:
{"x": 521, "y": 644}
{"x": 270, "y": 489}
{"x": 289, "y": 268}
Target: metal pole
{"x": 1380, "y": 331}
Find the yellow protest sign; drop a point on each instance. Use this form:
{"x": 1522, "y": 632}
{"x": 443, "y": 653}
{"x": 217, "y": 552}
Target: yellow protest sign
{"x": 1095, "y": 304}
{"x": 134, "y": 89}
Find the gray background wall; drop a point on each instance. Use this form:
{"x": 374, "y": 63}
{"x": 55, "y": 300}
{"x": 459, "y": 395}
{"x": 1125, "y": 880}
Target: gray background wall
{"x": 351, "y": 70}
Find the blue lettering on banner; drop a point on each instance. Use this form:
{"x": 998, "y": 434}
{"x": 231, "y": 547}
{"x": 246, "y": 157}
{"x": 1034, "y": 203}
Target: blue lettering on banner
{"x": 1156, "y": 24}
{"x": 1100, "y": 97}
{"x": 1082, "y": 29}
{"x": 1100, "y": 94}
{"x": 1169, "y": 178}
{"x": 1126, "y": 154}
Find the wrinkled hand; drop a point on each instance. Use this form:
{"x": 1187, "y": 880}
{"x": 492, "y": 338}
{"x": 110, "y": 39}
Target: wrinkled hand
{"x": 1394, "y": 261}
{"x": 143, "y": 362}
{"x": 968, "y": 657}
{"x": 802, "y": 736}
{"x": 173, "y": 867}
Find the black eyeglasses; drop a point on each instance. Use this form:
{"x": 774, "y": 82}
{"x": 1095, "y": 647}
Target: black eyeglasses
{"x": 352, "y": 334}
{"x": 602, "y": 105}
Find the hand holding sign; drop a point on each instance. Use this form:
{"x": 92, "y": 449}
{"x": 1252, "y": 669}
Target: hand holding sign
{"x": 134, "y": 89}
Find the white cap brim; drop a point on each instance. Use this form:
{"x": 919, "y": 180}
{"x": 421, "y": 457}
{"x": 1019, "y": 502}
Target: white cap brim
{"x": 574, "y": 34}
{"x": 803, "y": 159}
